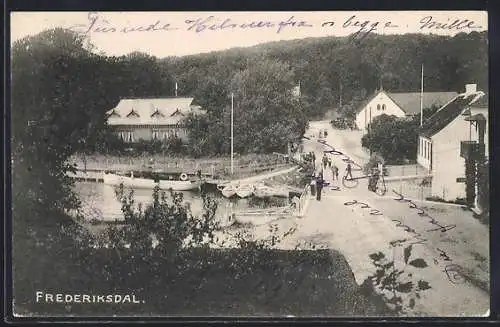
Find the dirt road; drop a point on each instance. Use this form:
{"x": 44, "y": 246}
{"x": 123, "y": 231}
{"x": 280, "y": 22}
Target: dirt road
{"x": 453, "y": 246}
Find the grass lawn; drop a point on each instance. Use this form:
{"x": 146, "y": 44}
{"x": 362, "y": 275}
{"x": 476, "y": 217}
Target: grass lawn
{"x": 203, "y": 282}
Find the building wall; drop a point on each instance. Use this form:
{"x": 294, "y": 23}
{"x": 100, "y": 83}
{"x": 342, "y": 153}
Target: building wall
{"x": 424, "y": 152}
{"x": 447, "y": 165}
{"x": 146, "y": 133}
{"x": 380, "y": 104}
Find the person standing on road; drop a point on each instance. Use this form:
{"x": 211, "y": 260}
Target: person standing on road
{"x": 335, "y": 172}
{"x": 319, "y": 186}
{"x": 348, "y": 171}
{"x": 313, "y": 185}
{"x": 325, "y": 160}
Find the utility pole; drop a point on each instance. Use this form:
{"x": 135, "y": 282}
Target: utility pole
{"x": 370, "y": 130}
{"x": 232, "y": 133}
{"x": 422, "y": 97}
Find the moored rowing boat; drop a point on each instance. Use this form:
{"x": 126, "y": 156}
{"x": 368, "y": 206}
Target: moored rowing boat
{"x": 135, "y": 182}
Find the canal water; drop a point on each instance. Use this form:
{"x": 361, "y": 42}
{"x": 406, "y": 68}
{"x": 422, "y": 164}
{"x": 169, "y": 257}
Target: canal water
{"x": 100, "y": 202}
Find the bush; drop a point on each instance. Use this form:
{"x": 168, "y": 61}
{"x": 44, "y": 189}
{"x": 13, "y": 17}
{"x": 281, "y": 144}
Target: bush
{"x": 483, "y": 192}
{"x": 343, "y": 123}
{"x": 147, "y": 258}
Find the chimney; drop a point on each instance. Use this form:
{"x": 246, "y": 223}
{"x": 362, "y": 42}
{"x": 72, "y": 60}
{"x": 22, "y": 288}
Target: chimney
{"x": 470, "y": 88}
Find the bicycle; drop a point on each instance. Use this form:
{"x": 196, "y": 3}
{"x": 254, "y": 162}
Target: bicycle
{"x": 380, "y": 187}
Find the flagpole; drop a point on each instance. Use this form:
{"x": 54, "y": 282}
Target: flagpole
{"x": 422, "y": 97}
{"x": 232, "y": 134}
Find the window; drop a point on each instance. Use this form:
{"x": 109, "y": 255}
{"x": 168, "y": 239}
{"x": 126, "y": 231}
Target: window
{"x": 130, "y": 136}
{"x": 127, "y": 136}
{"x": 155, "y": 134}
{"x": 383, "y": 107}
{"x": 378, "y": 107}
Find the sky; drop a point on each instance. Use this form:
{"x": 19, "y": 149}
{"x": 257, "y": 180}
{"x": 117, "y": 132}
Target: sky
{"x": 165, "y": 34}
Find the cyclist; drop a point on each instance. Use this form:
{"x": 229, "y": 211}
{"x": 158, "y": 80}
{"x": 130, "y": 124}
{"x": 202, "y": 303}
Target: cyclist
{"x": 374, "y": 178}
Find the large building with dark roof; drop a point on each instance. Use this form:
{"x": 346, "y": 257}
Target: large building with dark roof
{"x": 444, "y": 137}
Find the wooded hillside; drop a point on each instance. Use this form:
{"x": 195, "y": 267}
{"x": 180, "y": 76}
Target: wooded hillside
{"x": 330, "y": 67}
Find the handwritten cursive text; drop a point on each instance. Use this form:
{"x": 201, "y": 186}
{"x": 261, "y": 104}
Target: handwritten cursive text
{"x": 211, "y": 23}
{"x": 98, "y": 24}
{"x": 429, "y": 22}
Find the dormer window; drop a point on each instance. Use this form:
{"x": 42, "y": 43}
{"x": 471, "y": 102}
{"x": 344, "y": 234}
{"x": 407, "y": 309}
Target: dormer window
{"x": 176, "y": 112}
{"x": 114, "y": 113}
{"x": 157, "y": 113}
{"x": 133, "y": 113}
{"x": 378, "y": 107}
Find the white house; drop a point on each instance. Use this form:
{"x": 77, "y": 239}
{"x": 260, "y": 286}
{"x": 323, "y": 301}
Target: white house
{"x": 444, "y": 134}
{"x": 147, "y": 119}
{"x": 398, "y": 104}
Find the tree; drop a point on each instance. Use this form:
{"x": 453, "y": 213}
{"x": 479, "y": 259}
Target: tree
{"x": 395, "y": 139}
{"x": 53, "y": 97}
{"x": 267, "y": 116}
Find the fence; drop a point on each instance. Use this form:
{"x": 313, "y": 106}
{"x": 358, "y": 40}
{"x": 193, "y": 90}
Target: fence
{"x": 412, "y": 189}
{"x": 405, "y": 170}
{"x": 209, "y": 166}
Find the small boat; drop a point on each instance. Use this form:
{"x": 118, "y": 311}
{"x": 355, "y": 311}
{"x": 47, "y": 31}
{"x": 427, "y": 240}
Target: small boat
{"x": 148, "y": 183}
{"x": 227, "y": 190}
{"x": 244, "y": 191}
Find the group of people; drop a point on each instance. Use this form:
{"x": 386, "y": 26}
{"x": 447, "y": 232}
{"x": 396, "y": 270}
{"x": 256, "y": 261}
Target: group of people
{"x": 318, "y": 180}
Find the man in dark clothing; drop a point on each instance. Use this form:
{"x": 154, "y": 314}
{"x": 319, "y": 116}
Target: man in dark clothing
{"x": 335, "y": 172}
{"x": 348, "y": 170}
{"x": 319, "y": 186}
{"x": 313, "y": 158}
{"x": 372, "y": 184}
{"x": 325, "y": 160}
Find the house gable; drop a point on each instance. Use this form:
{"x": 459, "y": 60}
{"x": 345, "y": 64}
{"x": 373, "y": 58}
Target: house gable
{"x": 379, "y": 104}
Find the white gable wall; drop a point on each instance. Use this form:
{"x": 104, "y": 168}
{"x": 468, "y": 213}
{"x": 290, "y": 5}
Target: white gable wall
{"x": 447, "y": 165}
{"x": 380, "y": 104}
